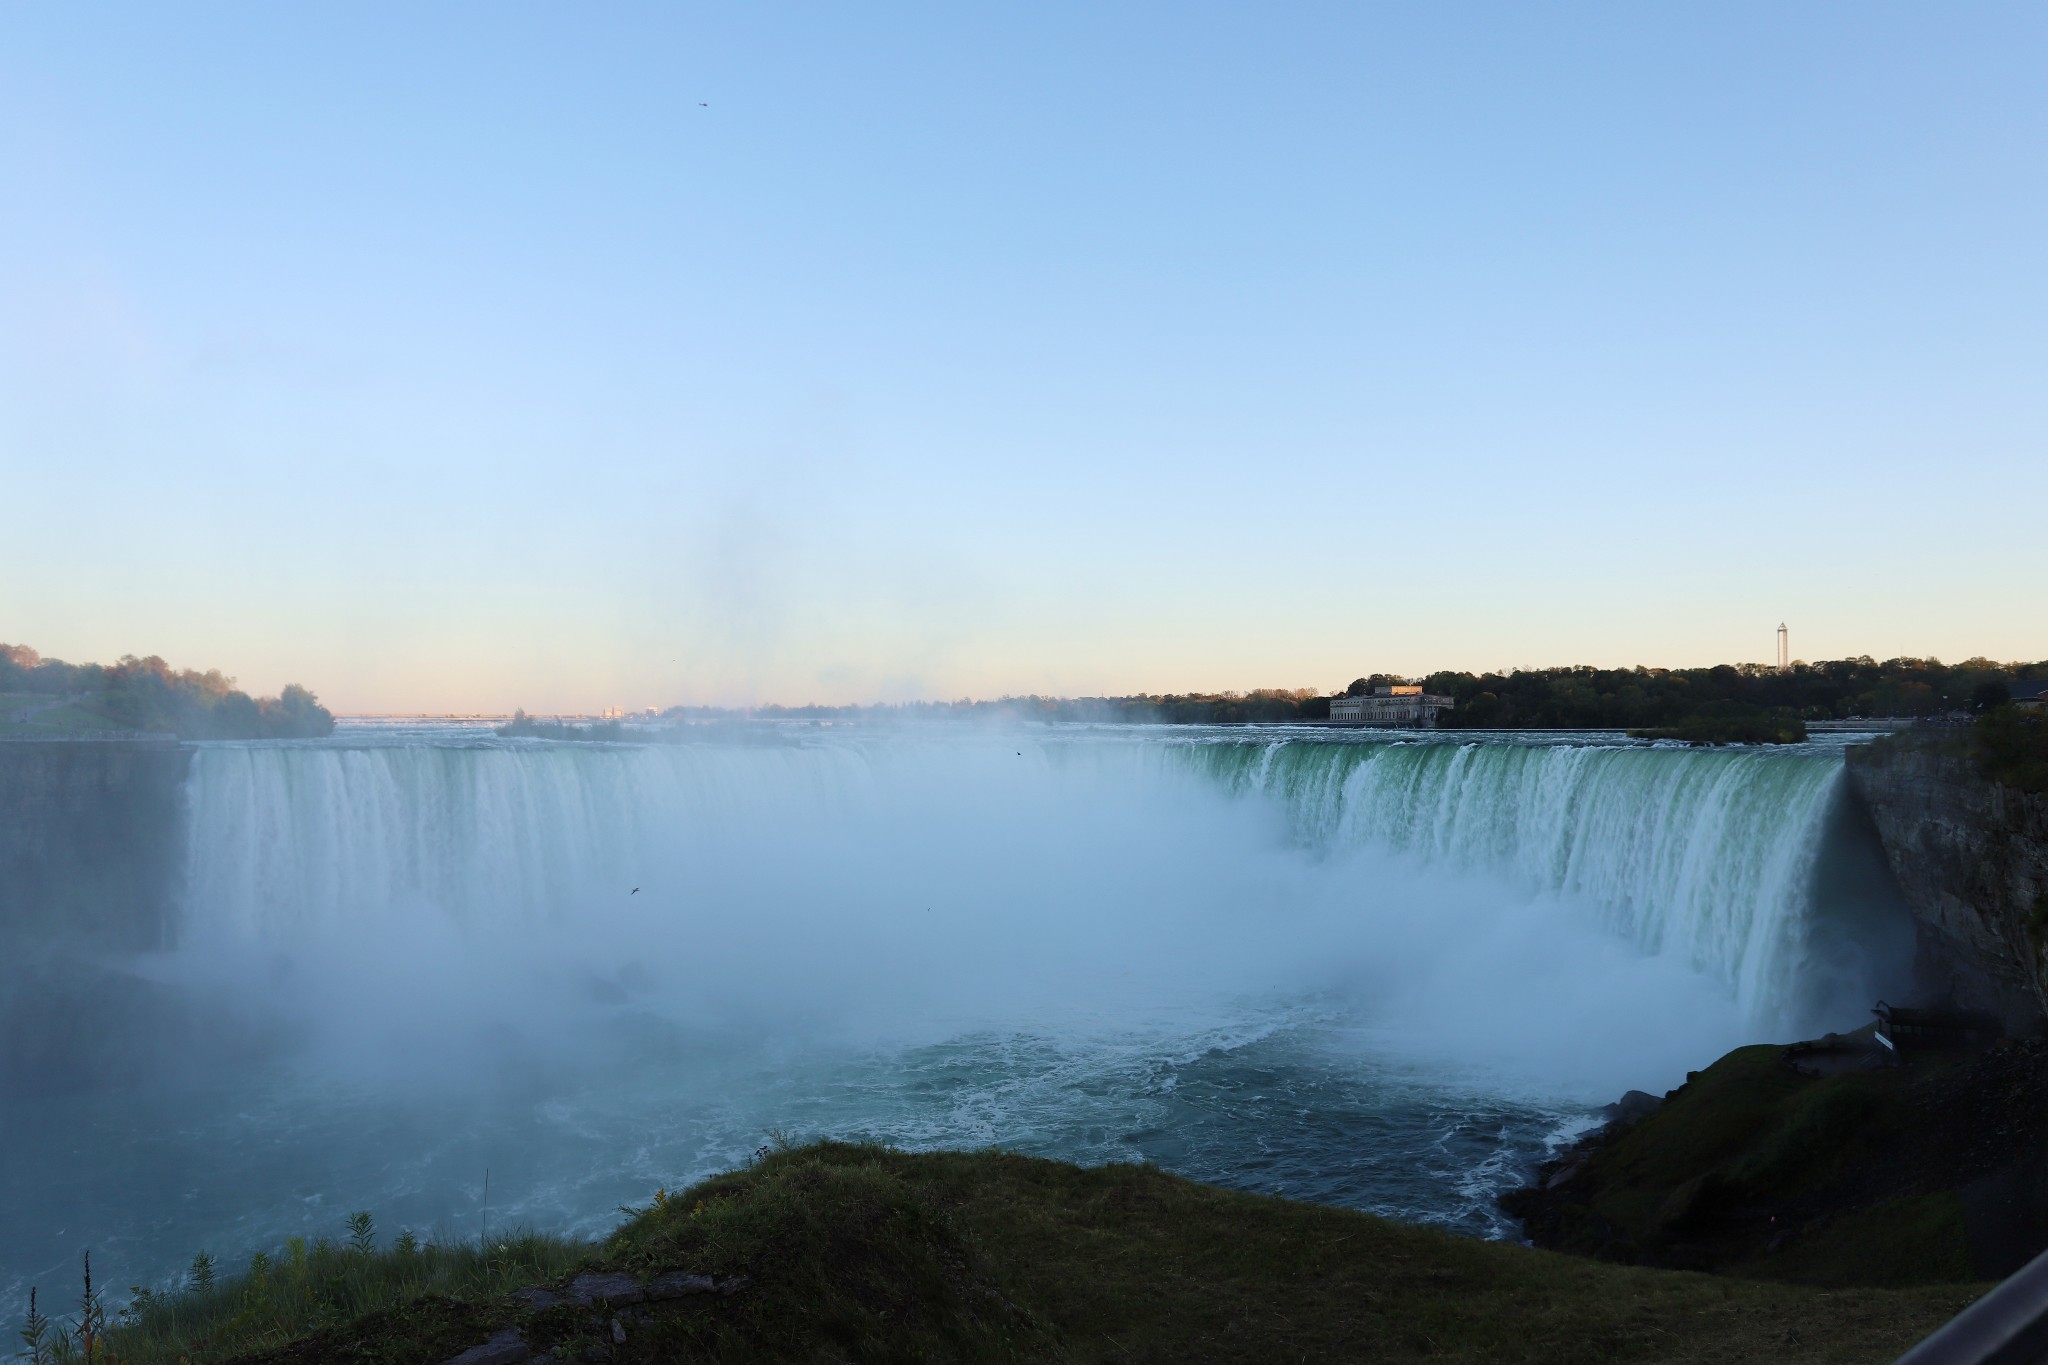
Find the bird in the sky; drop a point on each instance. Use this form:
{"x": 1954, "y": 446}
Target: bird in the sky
{"x": 634, "y": 892}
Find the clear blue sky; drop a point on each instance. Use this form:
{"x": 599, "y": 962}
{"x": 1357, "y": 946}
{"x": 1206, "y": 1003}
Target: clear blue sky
{"x": 459, "y": 356}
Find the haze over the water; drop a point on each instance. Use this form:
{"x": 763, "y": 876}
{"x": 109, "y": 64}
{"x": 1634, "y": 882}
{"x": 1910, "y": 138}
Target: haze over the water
{"x": 1382, "y": 971}
{"x": 473, "y": 358}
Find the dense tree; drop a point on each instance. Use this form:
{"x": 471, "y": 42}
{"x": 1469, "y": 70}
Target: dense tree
{"x": 1986, "y": 695}
{"x": 2012, "y": 748}
{"x": 1655, "y": 698}
{"x": 1726, "y": 700}
{"x": 148, "y": 694}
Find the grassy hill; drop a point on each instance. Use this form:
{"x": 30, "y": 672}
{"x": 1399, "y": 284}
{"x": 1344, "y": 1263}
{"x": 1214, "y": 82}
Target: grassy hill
{"x": 1769, "y": 1163}
{"x": 858, "y": 1253}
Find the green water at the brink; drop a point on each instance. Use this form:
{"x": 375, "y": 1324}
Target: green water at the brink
{"x": 1702, "y": 853}
{"x": 1379, "y": 971}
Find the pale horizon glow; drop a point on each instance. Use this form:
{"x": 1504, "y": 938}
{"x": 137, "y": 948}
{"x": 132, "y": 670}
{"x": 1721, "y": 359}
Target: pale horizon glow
{"x": 513, "y": 356}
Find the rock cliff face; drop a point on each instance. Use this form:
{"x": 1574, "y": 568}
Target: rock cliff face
{"x": 1971, "y": 857}
{"x": 91, "y": 848}
{"x": 90, "y": 844}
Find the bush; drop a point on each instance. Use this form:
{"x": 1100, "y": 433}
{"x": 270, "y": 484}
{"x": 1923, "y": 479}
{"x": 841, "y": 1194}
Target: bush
{"x": 1731, "y": 723}
{"x": 2012, "y": 747}
{"x": 303, "y": 1289}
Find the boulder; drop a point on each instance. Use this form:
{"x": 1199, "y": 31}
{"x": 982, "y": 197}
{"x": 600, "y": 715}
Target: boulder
{"x": 504, "y": 1348}
{"x": 1633, "y": 1107}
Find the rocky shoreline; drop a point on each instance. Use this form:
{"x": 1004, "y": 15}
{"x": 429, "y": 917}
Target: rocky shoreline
{"x": 1767, "y": 1164}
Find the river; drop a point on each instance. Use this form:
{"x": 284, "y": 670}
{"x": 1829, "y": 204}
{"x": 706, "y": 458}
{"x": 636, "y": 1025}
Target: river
{"x": 1379, "y": 970}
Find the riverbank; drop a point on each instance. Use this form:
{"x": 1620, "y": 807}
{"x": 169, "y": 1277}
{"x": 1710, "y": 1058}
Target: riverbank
{"x": 1820, "y": 1163}
{"x": 863, "y": 1253}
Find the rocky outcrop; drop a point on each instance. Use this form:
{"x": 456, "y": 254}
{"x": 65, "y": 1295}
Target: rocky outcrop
{"x": 1971, "y": 857}
{"x": 91, "y": 851}
{"x": 91, "y": 839}
{"x": 1826, "y": 1162}
{"x": 604, "y": 1291}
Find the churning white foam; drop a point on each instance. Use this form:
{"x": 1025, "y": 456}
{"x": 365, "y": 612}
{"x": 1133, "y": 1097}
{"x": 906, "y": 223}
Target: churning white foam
{"x": 1381, "y": 974}
{"x": 1564, "y": 915}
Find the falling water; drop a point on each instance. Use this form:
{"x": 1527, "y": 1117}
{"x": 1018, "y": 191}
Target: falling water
{"x": 1707, "y": 854}
{"x": 1378, "y": 971}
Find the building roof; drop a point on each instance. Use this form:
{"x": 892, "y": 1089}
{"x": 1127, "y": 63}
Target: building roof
{"x": 2028, "y": 691}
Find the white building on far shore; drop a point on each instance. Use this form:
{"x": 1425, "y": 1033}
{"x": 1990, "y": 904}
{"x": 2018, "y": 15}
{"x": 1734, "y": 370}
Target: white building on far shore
{"x": 1400, "y": 707}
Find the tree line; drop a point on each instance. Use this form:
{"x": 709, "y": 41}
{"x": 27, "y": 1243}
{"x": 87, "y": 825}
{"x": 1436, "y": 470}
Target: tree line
{"x": 148, "y": 694}
{"x": 1662, "y": 698}
{"x": 1262, "y": 706}
{"x": 1725, "y": 701}
{"x": 2012, "y": 748}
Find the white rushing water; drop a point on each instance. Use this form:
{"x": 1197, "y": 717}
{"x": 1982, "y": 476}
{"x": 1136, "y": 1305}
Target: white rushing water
{"x": 1710, "y": 855}
{"x": 1380, "y": 971}
{"x": 1067, "y": 844}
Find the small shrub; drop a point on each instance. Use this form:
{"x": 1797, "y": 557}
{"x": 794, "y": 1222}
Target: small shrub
{"x": 141, "y": 1298}
{"x": 40, "y": 1349}
{"x": 91, "y": 1328}
{"x": 305, "y": 1288}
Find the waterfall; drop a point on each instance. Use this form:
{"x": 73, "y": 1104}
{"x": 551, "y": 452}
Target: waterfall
{"x": 285, "y": 835}
{"x": 1707, "y": 853}
{"x": 398, "y": 959}
{"x": 1709, "y": 856}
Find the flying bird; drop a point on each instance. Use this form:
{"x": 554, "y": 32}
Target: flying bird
{"x": 634, "y": 892}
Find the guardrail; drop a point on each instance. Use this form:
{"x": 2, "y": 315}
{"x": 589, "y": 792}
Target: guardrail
{"x": 2008, "y": 1326}
{"x": 75, "y": 736}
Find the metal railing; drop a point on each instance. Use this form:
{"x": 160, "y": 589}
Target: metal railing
{"x": 74, "y": 736}
{"x": 2008, "y": 1326}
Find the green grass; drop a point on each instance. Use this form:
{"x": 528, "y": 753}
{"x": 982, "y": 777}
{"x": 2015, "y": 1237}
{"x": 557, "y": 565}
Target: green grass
{"x": 1754, "y": 1168}
{"x": 1726, "y": 1107}
{"x": 308, "y": 1289}
{"x": 56, "y": 720}
{"x": 1918, "y": 1239}
{"x": 860, "y": 1253}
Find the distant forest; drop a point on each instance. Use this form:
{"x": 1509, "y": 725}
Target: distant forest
{"x": 1572, "y": 698}
{"x": 147, "y": 694}
{"x": 1630, "y": 698}
{"x": 1266, "y": 706}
